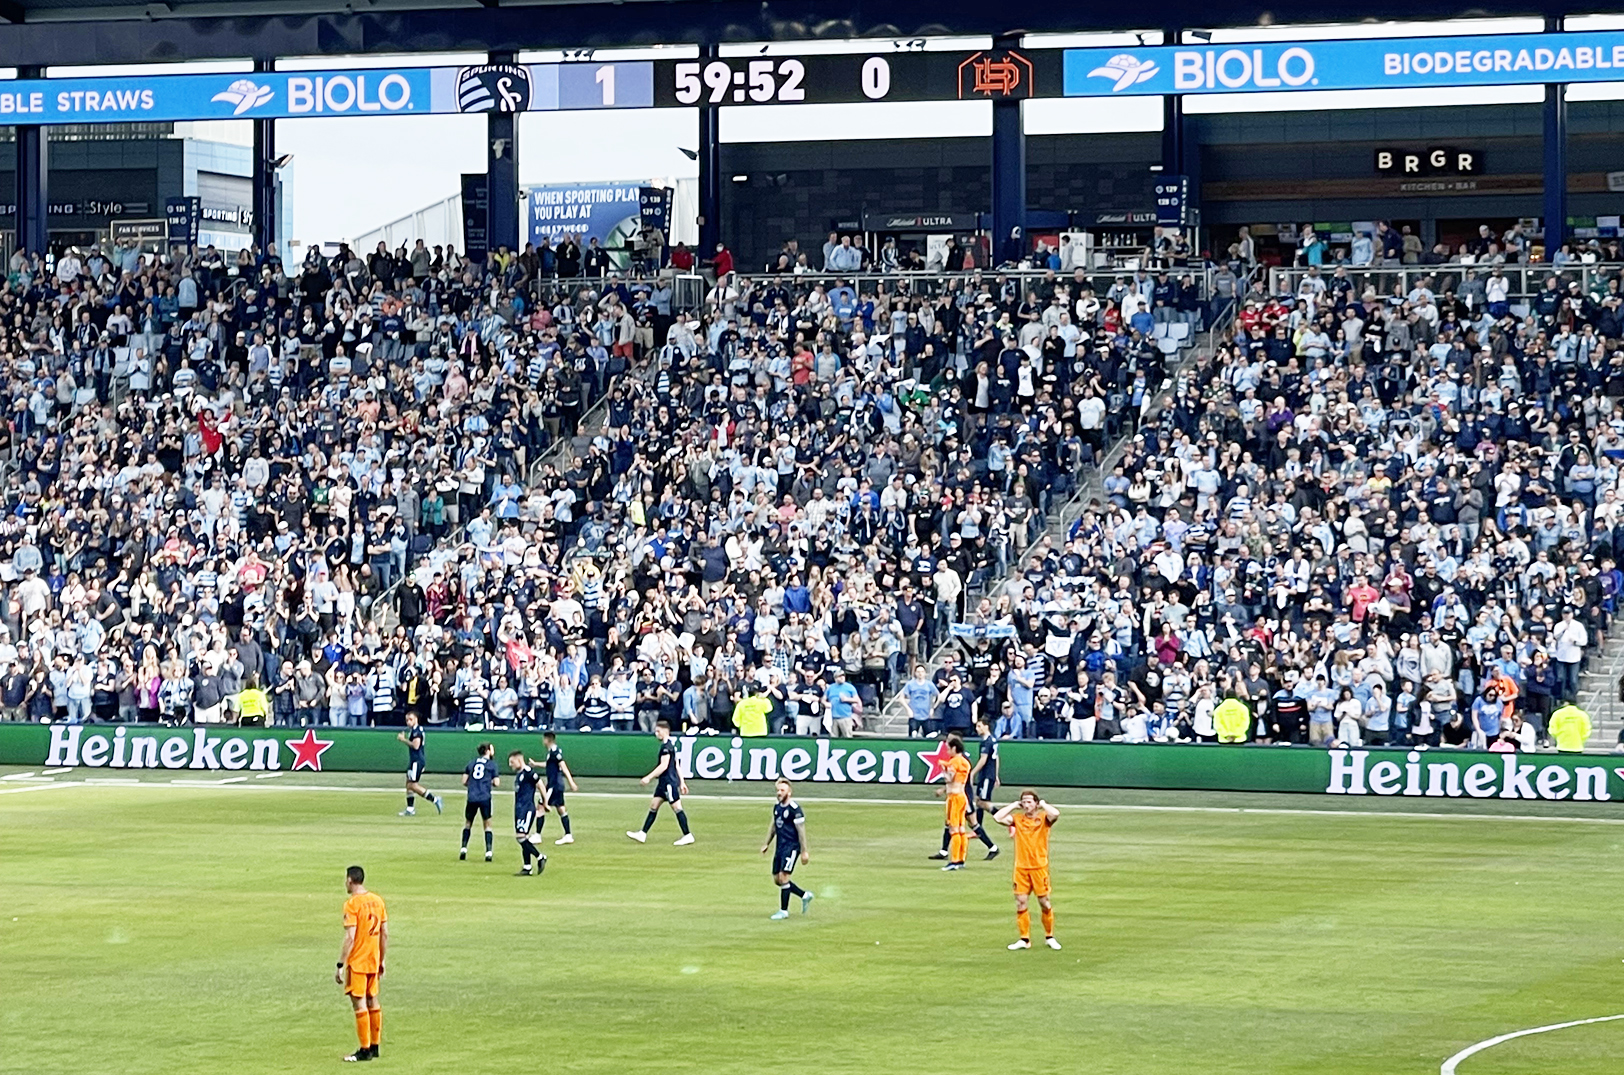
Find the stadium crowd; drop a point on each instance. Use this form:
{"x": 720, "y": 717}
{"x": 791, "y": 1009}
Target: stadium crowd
{"x": 247, "y": 490}
{"x": 343, "y": 490}
{"x": 1369, "y": 518}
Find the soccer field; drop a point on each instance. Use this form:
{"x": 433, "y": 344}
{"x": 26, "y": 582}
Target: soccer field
{"x": 173, "y": 929}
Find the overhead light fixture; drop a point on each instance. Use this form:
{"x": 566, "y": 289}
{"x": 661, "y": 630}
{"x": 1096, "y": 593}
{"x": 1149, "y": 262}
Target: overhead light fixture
{"x": 741, "y": 179}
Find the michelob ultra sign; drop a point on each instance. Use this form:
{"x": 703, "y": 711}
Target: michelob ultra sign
{"x": 1374, "y": 64}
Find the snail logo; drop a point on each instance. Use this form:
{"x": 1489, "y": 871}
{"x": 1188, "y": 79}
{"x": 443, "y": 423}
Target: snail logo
{"x": 497, "y": 87}
{"x": 245, "y": 94}
{"x": 1126, "y": 70}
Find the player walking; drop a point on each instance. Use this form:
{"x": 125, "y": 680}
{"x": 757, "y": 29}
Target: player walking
{"x": 788, "y": 828}
{"x": 480, "y": 779}
{"x": 526, "y": 782}
{"x": 958, "y": 775}
{"x": 984, "y": 781}
{"x": 669, "y": 789}
{"x": 558, "y": 771}
{"x": 360, "y": 960}
{"x": 1029, "y": 820}
{"x": 413, "y": 738}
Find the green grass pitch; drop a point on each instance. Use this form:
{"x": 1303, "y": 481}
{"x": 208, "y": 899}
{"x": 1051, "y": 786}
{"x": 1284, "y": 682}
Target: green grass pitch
{"x": 177, "y": 929}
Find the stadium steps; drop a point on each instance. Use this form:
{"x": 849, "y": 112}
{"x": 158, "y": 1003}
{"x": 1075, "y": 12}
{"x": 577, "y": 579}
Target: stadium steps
{"x": 893, "y": 718}
{"x": 1598, "y": 692}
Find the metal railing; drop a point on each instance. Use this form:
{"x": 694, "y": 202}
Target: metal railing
{"x": 1523, "y": 282}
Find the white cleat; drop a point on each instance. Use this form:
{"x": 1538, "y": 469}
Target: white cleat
{"x": 778, "y": 916}
{"x": 637, "y": 834}
{"x": 1052, "y": 943}
{"x": 686, "y": 839}
{"x": 1018, "y": 945}
{"x": 567, "y": 838}
{"x": 487, "y": 856}
{"x": 408, "y": 812}
{"x": 806, "y": 903}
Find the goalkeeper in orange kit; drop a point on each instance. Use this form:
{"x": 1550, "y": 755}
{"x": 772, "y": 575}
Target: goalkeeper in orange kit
{"x": 1029, "y": 820}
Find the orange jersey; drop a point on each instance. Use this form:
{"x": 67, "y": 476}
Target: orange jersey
{"x": 1031, "y": 841}
{"x": 365, "y": 912}
{"x": 958, "y": 770}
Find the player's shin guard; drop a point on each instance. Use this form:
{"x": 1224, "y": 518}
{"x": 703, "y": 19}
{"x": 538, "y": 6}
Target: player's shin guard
{"x": 783, "y": 897}
{"x": 947, "y": 837}
{"x": 648, "y": 822}
{"x": 489, "y": 841}
{"x": 363, "y": 1028}
{"x": 564, "y": 820}
{"x": 524, "y": 850}
{"x": 541, "y": 823}
{"x": 465, "y": 834}
{"x": 411, "y": 800}
{"x": 377, "y": 1026}
{"x": 682, "y": 819}
{"x": 795, "y": 889}
{"x": 1048, "y": 921}
{"x": 981, "y": 833}
{"x": 961, "y": 844}
{"x": 1023, "y": 922}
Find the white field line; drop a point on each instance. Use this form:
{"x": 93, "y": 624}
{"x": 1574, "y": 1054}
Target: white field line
{"x": 1453, "y": 1062}
{"x": 850, "y": 801}
{"x": 53, "y": 772}
{"x": 38, "y": 787}
{"x": 18, "y": 776}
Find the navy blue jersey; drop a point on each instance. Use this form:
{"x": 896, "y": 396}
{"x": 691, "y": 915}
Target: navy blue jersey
{"x": 672, "y": 776}
{"x": 989, "y": 765}
{"x": 414, "y": 747}
{"x": 785, "y": 815}
{"x": 525, "y": 783}
{"x": 555, "y": 767}
{"x": 480, "y": 772}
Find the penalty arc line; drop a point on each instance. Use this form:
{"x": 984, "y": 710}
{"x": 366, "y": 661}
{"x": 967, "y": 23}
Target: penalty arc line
{"x": 1449, "y": 1066}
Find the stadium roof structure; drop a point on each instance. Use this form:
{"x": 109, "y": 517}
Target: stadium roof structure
{"x": 47, "y": 32}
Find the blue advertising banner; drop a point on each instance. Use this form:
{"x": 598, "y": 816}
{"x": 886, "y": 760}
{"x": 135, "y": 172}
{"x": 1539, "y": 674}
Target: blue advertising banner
{"x": 297, "y": 94}
{"x": 607, "y": 212}
{"x": 1379, "y": 63}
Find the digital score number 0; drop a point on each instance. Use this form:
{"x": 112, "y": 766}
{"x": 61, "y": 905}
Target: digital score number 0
{"x": 765, "y": 82}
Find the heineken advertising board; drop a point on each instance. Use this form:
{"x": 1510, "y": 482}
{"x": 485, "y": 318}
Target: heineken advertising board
{"x": 1378, "y": 772}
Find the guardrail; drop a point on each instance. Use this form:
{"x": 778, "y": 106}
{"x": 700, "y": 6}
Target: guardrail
{"x": 1523, "y": 282}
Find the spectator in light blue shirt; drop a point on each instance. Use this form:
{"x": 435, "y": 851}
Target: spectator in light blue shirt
{"x": 506, "y": 496}
{"x": 920, "y": 694}
{"x": 845, "y": 257}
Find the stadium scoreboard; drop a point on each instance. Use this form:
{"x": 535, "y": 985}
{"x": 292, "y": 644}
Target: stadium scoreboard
{"x": 986, "y": 74}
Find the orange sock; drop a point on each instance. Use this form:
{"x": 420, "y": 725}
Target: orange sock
{"x": 1023, "y": 921}
{"x": 958, "y": 846}
{"x": 363, "y": 1028}
{"x": 377, "y": 1023}
{"x": 1048, "y": 921}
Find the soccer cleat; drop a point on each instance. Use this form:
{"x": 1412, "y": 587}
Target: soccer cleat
{"x": 684, "y": 840}
{"x": 360, "y": 1054}
{"x": 637, "y": 834}
{"x": 523, "y": 872}
{"x": 778, "y": 916}
{"x": 992, "y": 853}
{"x": 408, "y": 812}
{"x": 487, "y": 856}
{"x": 806, "y": 902}
{"x": 1018, "y": 945}
{"x": 374, "y": 1050}
{"x": 541, "y": 864}
{"x": 567, "y": 838}
{"x": 937, "y": 855}
{"x": 462, "y": 856}
{"x": 1052, "y": 943}
{"x": 439, "y": 804}
{"x": 953, "y": 866}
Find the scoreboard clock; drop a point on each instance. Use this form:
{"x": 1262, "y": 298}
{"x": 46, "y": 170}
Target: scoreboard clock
{"x": 988, "y": 74}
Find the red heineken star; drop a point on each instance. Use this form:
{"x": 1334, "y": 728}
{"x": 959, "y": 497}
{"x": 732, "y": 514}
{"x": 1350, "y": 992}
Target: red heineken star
{"x": 307, "y": 751}
{"x": 935, "y": 759}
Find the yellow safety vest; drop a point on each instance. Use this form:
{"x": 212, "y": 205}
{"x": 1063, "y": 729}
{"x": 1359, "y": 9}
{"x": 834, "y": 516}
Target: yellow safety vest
{"x": 1570, "y": 727}
{"x": 750, "y": 715}
{"x": 1232, "y": 720}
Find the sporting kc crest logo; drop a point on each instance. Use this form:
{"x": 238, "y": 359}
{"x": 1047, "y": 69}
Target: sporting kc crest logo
{"x": 995, "y": 73}
{"x": 497, "y": 87}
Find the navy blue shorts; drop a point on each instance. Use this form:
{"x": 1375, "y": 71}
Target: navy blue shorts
{"x": 414, "y": 772}
{"x": 785, "y": 858}
{"x": 984, "y": 790}
{"x": 671, "y": 793}
{"x": 523, "y": 823}
{"x": 555, "y": 795}
{"x": 482, "y": 809}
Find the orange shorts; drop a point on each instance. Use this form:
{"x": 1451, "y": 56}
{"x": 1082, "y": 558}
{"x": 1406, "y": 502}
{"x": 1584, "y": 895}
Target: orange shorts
{"x": 362, "y": 984}
{"x": 1031, "y": 880}
{"x": 957, "y": 807}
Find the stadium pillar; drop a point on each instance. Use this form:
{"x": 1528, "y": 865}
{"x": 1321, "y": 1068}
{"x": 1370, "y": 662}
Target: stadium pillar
{"x": 33, "y": 179}
{"x": 1556, "y": 156}
{"x": 265, "y": 180}
{"x": 502, "y": 172}
{"x": 1008, "y": 173}
{"x": 1172, "y": 121}
{"x": 710, "y": 169}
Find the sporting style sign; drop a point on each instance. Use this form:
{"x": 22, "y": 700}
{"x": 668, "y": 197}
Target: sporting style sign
{"x": 1378, "y": 63}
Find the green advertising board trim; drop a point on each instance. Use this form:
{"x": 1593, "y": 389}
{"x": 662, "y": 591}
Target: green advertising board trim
{"x": 1380, "y": 772}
